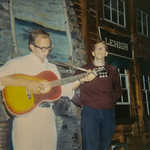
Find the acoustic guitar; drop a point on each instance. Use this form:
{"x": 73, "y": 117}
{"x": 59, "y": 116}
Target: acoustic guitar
{"x": 19, "y": 100}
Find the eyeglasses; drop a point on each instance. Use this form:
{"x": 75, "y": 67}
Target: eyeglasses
{"x": 42, "y": 48}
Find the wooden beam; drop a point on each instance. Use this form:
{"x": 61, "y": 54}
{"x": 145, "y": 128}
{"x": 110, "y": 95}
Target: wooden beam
{"x": 138, "y": 100}
{"x": 83, "y": 5}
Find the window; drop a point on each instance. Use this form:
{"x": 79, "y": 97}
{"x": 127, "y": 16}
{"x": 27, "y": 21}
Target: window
{"x": 122, "y": 107}
{"x": 125, "y": 98}
{"x": 145, "y": 85}
{"x": 143, "y": 23}
{"x": 114, "y": 11}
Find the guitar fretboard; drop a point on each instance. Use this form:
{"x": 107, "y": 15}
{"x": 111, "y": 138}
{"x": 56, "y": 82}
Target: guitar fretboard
{"x": 67, "y": 80}
{"x": 100, "y": 72}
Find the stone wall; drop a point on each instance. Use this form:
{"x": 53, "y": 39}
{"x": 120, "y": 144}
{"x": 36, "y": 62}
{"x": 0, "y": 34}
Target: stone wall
{"x": 67, "y": 114}
{"x": 6, "y": 44}
{"x": 68, "y": 125}
{"x": 6, "y": 49}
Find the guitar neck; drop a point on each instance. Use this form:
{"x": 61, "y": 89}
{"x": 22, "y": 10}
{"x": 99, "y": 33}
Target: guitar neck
{"x": 100, "y": 72}
{"x": 67, "y": 80}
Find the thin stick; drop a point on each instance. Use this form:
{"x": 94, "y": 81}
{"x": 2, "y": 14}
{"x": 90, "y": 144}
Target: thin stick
{"x": 70, "y": 65}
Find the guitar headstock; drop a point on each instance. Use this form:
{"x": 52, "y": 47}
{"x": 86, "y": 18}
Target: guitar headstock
{"x": 101, "y": 72}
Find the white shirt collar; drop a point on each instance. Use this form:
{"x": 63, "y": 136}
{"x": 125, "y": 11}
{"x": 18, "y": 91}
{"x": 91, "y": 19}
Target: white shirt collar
{"x": 36, "y": 59}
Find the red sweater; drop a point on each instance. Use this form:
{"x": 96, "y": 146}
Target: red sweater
{"x": 101, "y": 93}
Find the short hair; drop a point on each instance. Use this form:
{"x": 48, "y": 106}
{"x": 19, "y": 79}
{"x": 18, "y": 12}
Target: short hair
{"x": 103, "y": 42}
{"x": 35, "y": 33}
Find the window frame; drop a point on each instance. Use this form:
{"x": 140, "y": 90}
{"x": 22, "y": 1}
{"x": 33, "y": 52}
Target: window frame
{"x": 117, "y": 11}
{"x": 141, "y": 22}
{"x": 146, "y": 91}
{"x": 127, "y": 88}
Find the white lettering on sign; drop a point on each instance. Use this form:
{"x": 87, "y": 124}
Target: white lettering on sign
{"x": 116, "y": 44}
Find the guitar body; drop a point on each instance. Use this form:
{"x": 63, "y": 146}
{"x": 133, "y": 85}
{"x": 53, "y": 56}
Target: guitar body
{"x": 19, "y": 100}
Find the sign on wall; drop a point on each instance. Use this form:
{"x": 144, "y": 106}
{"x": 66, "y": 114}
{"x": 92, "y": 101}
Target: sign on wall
{"x": 117, "y": 44}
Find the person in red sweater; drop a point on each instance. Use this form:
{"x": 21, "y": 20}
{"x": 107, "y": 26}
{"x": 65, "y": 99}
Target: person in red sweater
{"x": 97, "y": 99}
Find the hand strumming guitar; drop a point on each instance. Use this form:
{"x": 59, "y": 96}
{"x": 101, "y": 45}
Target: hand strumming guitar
{"x": 38, "y": 87}
{"x": 34, "y": 86}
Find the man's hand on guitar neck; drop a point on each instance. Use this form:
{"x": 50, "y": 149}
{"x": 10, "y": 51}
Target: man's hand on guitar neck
{"x": 88, "y": 77}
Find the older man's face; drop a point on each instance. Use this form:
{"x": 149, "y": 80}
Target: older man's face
{"x": 41, "y": 47}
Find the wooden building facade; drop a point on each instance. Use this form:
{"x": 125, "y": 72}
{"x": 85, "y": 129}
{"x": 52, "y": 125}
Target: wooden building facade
{"x": 125, "y": 26}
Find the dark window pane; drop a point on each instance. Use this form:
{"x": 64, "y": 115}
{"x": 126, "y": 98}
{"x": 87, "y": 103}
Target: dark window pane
{"x": 148, "y": 96}
{"x": 144, "y": 96}
{"x": 144, "y": 24}
{"x": 114, "y": 16}
{"x": 107, "y": 2}
{"x": 122, "y": 70}
{"x": 144, "y": 29}
{"x": 144, "y": 18}
{"x": 120, "y": 4}
{"x": 149, "y": 26}
{"x": 146, "y": 82}
{"x": 107, "y": 13}
{"x": 149, "y": 109}
{"x": 145, "y": 108}
{"x": 149, "y": 82}
{"x": 114, "y": 4}
{"x": 138, "y": 14}
{"x": 123, "y": 82}
{"x": 125, "y": 95}
{"x": 121, "y": 19}
{"x": 139, "y": 27}
{"x": 139, "y": 21}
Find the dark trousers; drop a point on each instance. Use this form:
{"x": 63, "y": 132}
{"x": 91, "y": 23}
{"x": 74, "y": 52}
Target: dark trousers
{"x": 97, "y": 127}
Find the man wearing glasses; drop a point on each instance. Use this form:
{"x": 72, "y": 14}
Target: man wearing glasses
{"x": 35, "y": 130}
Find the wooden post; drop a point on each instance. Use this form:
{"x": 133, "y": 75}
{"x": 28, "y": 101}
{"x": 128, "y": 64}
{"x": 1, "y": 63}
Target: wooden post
{"x": 139, "y": 105}
{"x": 13, "y": 30}
{"x": 83, "y": 6}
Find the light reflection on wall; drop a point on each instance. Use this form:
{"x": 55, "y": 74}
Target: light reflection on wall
{"x": 60, "y": 51}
